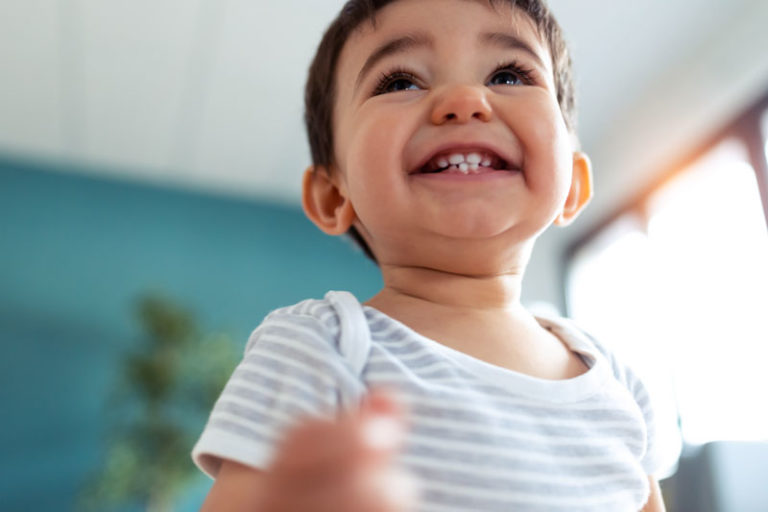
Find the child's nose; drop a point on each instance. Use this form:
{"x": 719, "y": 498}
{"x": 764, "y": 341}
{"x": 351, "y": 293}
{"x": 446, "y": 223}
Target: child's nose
{"x": 461, "y": 104}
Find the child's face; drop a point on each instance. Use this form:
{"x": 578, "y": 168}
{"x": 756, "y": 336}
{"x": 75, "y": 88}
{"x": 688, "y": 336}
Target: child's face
{"x": 466, "y": 79}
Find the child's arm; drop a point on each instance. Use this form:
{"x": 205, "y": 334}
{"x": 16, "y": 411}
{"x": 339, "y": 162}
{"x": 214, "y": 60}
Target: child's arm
{"x": 321, "y": 466}
{"x": 655, "y": 501}
{"x": 237, "y": 487}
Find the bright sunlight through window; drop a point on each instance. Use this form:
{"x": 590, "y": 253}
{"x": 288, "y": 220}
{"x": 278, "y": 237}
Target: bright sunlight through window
{"x": 682, "y": 294}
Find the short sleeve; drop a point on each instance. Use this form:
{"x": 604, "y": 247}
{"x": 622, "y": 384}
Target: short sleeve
{"x": 658, "y": 456}
{"x": 291, "y": 369}
{"x": 653, "y": 459}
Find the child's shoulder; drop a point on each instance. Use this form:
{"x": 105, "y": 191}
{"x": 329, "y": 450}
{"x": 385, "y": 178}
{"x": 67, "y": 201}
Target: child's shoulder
{"x": 321, "y": 310}
{"x": 583, "y": 341}
{"x": 316, "y": 316}
{"x": 335, "y": 324}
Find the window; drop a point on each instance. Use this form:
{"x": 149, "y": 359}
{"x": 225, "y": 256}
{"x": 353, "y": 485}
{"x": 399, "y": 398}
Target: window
{"x": 678, "y": 286}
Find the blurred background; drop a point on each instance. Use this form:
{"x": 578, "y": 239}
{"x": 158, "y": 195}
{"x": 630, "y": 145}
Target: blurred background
{"x": 150, "y": 164}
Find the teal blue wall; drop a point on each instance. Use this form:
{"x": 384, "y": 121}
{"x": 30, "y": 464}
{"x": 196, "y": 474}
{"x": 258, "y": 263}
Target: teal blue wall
{"x": 75, "y": 252}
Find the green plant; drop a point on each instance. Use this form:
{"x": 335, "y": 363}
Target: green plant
{"x": 165, "y": 390}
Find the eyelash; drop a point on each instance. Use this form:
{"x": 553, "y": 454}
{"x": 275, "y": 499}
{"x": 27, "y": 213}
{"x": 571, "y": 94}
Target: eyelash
{"x": 526, "y": 75}
{"x": 388, "y": 78}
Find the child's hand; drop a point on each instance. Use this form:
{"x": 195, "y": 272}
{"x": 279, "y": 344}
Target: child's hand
{"x": 341, "y": 466}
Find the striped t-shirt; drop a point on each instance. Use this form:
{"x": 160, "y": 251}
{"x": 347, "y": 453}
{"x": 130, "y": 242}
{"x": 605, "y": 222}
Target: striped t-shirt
{"x": 481, "y": 437}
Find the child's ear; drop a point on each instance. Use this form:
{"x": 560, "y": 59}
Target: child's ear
{"x": 325, "y": 201}
{"x": 580, "y": 192}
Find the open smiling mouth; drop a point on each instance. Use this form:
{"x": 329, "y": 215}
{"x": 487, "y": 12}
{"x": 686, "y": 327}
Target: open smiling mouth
{"x": 473, "y": 162}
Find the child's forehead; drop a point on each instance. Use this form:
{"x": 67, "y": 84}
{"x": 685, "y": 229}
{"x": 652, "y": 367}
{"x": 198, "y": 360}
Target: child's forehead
{"x": 428, "y": 18}
{"x": 403, "y": 14}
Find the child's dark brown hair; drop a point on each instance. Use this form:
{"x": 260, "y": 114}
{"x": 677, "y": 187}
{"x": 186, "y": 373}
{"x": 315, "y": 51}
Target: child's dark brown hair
{"x": 320, "y": 92}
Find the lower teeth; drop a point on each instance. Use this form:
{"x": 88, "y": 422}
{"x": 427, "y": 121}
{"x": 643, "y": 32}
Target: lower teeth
{"x": 463, "y": 168}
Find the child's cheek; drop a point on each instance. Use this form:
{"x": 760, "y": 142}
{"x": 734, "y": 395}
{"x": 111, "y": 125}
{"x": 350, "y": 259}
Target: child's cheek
{"x": 376, "y": 145}
{"x": 546, "y": 143}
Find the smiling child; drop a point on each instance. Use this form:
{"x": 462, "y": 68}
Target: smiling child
{"x": 443, "y": 141}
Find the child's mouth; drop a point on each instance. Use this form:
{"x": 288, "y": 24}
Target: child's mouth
{"x": 473, "y": 162}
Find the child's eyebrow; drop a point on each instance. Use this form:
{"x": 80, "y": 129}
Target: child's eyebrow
{"x": 509, "y": 41}
{"x": 398, "y": 45}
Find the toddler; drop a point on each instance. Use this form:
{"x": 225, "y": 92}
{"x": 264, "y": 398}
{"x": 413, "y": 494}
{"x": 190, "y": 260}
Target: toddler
{"x": 443, "y": 141}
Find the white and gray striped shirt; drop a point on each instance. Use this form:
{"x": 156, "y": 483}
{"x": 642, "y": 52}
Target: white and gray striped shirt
{"x": 481, "y": 438}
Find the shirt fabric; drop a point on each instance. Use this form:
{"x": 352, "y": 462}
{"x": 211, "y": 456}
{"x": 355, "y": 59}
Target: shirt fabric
{"x": 481, "y": 437}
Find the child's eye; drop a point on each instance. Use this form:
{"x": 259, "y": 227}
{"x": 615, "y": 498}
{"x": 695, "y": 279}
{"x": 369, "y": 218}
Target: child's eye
{"x": 511, "y": 74}
{"x": 401, "y": 84}
{"x": 505, "y": 78}
{"x": 395, "y": 82}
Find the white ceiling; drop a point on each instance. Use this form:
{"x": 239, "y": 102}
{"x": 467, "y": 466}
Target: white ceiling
{"x": 208, "y": 93}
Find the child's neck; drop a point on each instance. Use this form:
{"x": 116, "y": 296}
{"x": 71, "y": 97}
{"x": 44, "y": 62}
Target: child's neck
{"x": 428, "y": 288}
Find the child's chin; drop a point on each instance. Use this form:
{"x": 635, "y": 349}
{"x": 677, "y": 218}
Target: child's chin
{"x": 477, "y": 226}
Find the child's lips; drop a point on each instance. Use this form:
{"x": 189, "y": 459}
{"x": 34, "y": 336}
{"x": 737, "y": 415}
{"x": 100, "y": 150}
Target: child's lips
{"x": 456, "y": 176}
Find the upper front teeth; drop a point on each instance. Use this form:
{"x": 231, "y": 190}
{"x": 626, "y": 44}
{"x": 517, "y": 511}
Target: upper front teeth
{"x": 474, "y": 158}
{"x": 464, "y": 162}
